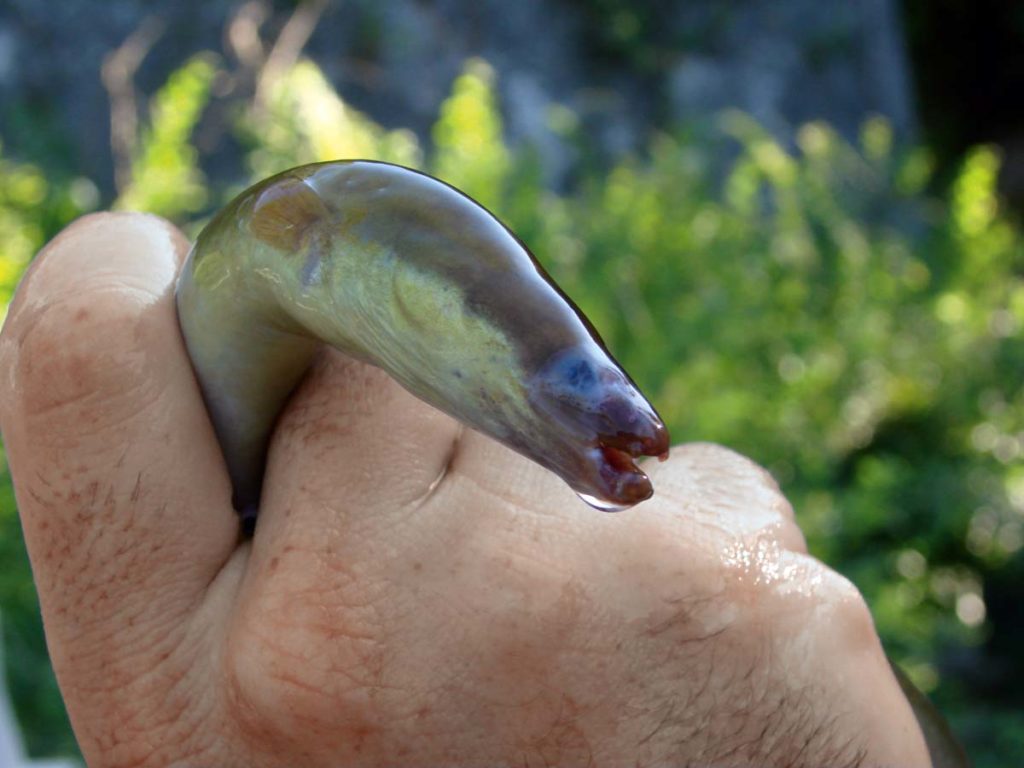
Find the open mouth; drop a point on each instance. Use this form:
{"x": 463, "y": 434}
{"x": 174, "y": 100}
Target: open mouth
{"x": 593, "y": 426}
{"x": 618, "y": 482}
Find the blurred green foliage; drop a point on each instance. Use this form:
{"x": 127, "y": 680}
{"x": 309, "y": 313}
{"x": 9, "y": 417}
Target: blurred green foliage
{"x": 165, "y": 176}
{"x": 822, "y": 308}
{"x": 303, "y": 120}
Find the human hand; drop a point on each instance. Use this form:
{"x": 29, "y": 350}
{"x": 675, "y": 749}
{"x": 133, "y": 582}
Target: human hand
{"x": 377, "y": 618}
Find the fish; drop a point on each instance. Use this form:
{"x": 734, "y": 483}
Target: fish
{"x": 398, "y": 269}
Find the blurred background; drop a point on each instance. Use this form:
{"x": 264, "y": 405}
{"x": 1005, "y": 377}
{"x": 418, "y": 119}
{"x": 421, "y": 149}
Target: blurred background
{"x": 796, "y": 223}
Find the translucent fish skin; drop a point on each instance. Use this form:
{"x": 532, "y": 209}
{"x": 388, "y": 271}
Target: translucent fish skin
{"x": 402, "y": 271}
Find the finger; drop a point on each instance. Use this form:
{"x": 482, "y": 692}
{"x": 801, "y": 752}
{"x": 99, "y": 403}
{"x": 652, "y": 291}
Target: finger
{"x": 712, "y": 485}
{"x": 353, "y": 451}
{"x": 700, "y": 483}
{"x": 120, "y": 484}
{"x": 484, "y": 471}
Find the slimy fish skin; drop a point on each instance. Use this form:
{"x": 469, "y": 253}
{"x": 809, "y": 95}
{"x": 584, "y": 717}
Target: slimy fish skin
{"x": 404, "y": 272}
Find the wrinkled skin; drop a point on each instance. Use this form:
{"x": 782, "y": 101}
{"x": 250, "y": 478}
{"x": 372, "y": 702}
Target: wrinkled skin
{"x": 375, "y": 620}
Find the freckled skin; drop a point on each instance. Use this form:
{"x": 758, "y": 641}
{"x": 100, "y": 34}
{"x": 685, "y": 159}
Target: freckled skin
{"x": 402, "y": 271}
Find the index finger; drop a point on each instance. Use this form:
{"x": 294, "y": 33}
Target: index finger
{"x": 119, "y": 480}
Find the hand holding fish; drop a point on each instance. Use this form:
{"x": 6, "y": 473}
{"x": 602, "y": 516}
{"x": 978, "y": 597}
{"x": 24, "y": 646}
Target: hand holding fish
{"x": 415, "y": 593}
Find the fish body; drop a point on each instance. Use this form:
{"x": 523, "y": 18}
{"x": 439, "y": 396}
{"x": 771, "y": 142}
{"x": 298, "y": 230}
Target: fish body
{"x": 400, "y": 270}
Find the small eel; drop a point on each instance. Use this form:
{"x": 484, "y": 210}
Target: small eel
{"x": 402, "y": 271}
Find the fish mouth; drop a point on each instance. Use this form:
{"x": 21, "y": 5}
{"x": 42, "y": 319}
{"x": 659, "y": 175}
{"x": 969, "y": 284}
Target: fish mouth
{"x": 600, "y": 465}
{"x": 609, "y": 477}
{"x": 592, "y": 424}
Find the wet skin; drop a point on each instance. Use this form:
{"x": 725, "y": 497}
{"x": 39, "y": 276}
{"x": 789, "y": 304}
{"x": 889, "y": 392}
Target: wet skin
{"x": 397, "y": 269}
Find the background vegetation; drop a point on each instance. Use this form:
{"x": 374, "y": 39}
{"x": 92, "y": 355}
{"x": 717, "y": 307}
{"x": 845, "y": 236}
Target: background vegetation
{"x": 828, "y": 309}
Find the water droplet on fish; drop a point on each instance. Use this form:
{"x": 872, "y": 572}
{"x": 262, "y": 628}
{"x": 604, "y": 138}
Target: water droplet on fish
{"x": 603, "y": 504}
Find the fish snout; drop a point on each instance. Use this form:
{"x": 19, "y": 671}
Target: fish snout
{"x": 602, "y": 422}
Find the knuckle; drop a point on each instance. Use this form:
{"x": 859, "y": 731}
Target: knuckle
{"x": 847, "y": 612}
{"x": 719, "y": 486}
{"x": 789, "y": 595}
